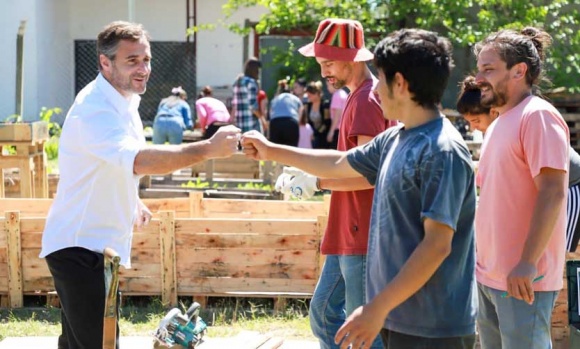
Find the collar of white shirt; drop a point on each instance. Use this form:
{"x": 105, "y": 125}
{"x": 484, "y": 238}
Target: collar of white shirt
{"x": 121, "y": 103}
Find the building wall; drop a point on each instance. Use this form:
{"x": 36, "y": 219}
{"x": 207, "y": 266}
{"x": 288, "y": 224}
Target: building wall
{"x": 11, "y": 13}
{"x": 53, "y": 25}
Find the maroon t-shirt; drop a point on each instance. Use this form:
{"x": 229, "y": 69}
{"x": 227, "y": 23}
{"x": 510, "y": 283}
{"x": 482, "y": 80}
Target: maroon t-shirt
{"x": 350, "y": 211}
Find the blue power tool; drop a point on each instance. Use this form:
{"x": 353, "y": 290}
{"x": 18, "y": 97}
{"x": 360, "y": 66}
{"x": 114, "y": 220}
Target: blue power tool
{"x": 186, "y": 330}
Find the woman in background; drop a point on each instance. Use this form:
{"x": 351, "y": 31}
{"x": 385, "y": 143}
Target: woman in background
{"x": 211, "y": 113}
{"x": 173, "y": 117}
{"x": 284, "y": 116}
{"x": 318, "y": 113}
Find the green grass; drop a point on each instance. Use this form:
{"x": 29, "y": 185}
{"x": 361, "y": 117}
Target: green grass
{"x": 141, "y": 317}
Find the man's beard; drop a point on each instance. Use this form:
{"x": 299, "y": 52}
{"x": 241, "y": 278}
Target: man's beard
{"x": 498, "y": 97}
{"x": 338, "y": 84}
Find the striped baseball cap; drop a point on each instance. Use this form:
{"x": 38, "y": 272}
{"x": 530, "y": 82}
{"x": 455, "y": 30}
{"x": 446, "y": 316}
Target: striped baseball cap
{"x": 338, "y": 40}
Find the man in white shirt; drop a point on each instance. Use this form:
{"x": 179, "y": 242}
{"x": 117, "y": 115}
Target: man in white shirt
{"x": 102, "y": 154}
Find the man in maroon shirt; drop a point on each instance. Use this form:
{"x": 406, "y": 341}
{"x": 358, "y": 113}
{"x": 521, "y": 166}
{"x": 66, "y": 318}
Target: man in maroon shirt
{"x": 340, "y": 51}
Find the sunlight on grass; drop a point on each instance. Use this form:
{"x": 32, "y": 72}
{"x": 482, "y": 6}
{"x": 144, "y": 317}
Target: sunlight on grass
{"x": 225, "y": 320}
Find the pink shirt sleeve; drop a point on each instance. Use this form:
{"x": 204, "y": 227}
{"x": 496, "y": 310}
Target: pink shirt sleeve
{"x": 545, "y": 140}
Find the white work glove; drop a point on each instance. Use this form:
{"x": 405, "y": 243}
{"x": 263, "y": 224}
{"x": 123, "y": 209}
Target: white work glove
{"x": 297, "y": 183}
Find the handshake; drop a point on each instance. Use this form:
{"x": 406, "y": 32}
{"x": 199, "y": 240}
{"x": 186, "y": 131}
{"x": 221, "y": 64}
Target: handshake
{"x": 297, "y": 183}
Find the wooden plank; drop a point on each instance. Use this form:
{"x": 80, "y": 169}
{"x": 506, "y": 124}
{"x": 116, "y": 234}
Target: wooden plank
{"x": 146, "y": 240}
{"x": 249, "y": 286}
{"x": 244, "y": 256}
{"x": 12, "y": 229}
{"x": 231, "y": 208}
{"x": 245, "y": 226}
{"x": 195, "y": 204}
{"x": 32, "y": 225}
{"x": 26, "y": 180}
{"x": 146, "y": 256}
{"x": 27, "y": 207}
{"x": 221, "y": 240}
{"x": 277, "y": 271}
{"x": 168, "y": 258}
{"x": 179, "y": 205}
{"x": 30, "y": 239}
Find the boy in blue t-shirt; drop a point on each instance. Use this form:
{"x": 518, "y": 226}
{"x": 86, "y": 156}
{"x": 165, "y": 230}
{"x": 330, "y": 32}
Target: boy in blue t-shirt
{"x": 421, "y": 255}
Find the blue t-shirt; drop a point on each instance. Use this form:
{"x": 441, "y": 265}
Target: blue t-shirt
{"x": 285, "y": 105}
{"x": 424, "y": 172}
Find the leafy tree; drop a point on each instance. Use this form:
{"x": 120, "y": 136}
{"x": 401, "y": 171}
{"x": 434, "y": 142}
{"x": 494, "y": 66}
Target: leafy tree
{"x": 464, "y": 22}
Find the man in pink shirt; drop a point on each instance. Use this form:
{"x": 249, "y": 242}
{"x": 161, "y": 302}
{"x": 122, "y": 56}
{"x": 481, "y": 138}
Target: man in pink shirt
{"x": 523, "y": 175}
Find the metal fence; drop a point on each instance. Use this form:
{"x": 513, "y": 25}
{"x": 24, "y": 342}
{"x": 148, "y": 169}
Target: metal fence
{"x": 173, "y": 64}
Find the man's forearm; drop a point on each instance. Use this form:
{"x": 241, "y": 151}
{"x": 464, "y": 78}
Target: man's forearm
{"x": 345, "y": 184}
{"x": 546, "y": 211}
{"x": 325, "y": 163}
{"x": 168, "y": 158}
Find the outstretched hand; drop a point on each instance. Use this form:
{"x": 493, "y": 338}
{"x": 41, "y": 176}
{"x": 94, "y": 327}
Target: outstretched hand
{"x": 224, "y": 142}
{"x": 255, "y": 145}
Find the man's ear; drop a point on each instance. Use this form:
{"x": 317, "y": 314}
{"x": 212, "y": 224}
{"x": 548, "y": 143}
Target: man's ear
{"x": 519, "y": 71}
{"x": 105, "y": 63}
{"x": 400, "y": 84}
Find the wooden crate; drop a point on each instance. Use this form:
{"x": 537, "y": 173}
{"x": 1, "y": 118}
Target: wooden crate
{"x": 183, "y": 256}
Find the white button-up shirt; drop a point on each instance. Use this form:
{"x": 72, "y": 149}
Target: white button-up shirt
{"x": 97, "y": 194}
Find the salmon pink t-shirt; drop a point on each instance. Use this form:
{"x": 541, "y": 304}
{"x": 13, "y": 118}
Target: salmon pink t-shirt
{"x": 531, "y": 136}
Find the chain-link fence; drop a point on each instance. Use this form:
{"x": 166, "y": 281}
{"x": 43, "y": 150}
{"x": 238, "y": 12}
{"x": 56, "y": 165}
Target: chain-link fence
{"x": 173, "y": 64}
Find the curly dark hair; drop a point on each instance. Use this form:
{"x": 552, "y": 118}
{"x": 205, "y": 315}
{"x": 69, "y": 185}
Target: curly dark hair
{"x": 422, "y": 57}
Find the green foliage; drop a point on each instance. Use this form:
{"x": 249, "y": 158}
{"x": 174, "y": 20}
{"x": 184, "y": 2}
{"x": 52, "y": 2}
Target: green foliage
{"x": 13, "y": 119}
{"x": 54, "y": 130}
{"x": 198, "y": 184}
{"x": 255, "y": 186}
{"x": 464, "y": 22}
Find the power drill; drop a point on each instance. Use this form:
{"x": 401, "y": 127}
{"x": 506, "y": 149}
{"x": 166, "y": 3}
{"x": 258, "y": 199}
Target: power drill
{"x": 186, "y": 329}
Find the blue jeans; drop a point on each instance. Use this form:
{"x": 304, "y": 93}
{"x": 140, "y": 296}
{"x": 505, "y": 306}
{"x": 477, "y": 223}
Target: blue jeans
{"x": 168, "y": 129}
{"x": 340, "y": 290}
{"x": 508, "y": 323}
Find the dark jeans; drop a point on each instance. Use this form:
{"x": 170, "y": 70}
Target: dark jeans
{"x": 284, "y": 130}
{"x": 212, "y": 129}
{"x": 396, "y": 340}
{"x": 79, "y": 280}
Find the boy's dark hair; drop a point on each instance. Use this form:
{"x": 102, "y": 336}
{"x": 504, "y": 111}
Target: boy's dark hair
{"x": 469, "y": 99}
{"x": 109, "y": 38}
{"x": 528, "y": 46}
{"x": 422, "y": 57}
